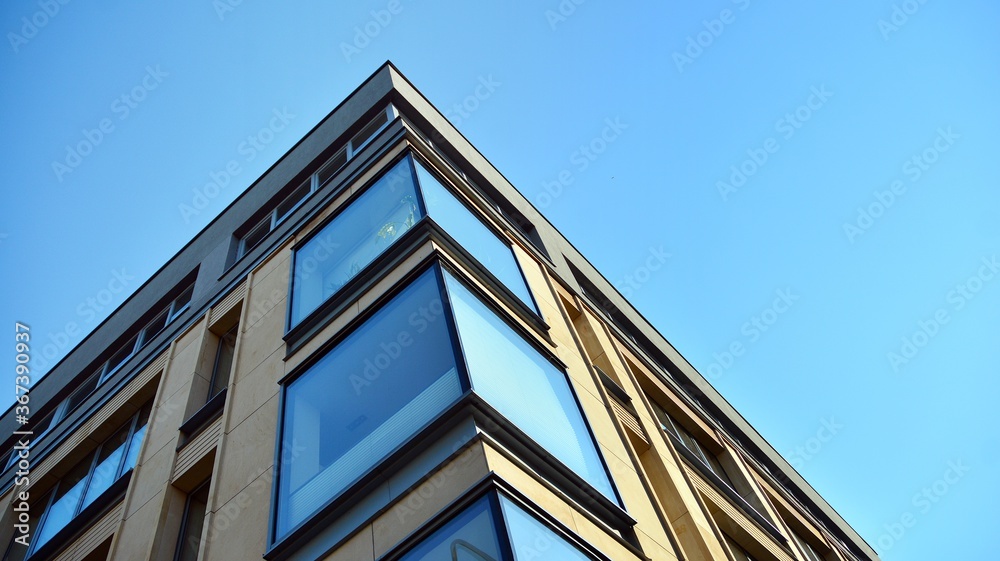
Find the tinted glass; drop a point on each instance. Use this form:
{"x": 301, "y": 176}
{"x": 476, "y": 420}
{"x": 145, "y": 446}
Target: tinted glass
{"x": 108, "y": 461}
{"x": 255, "y": 236}
{"x": 370, "y": 129}
{"x": 473, "y": 235}
{"x": 531, "y": 539}
{"x": 505, "y": 369}
{"x": 154, "y": 327}
{"x": 120, "y": 357}
{"x": 293, "y": 199}
{"x": 189, "y": 541}
{"x": 470, "y": 536}
{"x": 368, "y": 395}
{"x": 82, "y": 392}
{"x": 353, "y": 239}
{"x": 223, "y": 362}
{"x": 68, "y": 496}
{"x": 331, "y": 167}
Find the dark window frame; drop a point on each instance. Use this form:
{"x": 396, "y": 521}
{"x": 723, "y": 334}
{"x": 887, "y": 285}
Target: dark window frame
{"x": 433, "y": 262}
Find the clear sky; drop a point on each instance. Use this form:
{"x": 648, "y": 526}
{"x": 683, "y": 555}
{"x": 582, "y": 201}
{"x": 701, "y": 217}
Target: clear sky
{"x": 809, "y": 187}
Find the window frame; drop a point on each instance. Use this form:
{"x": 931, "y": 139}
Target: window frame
{"x": 120, "y": 471}
{"x": 186, "y": 518}
{"x": 439, "y": 267}
{"x": 494, "y": 492}
{"x": 272, "y": 219}
{"x": 531, "y": 309}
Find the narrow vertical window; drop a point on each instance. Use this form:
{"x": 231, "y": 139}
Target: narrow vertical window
{"x": 223, "y": 367}
{"x": 193, "y": 524}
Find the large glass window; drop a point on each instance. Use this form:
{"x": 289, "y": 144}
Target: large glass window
{"x": 469, "y": 536}
{"x": 380, "y": 216}
{"x": 353, "y": 239}
{"x": 473, "y": 235}
{"x": 395, "y": 373}
{"x": 372, "y": 392}
{"x": 505, "y": 369}
{"x": 90, "y": 478}
{"x": 493, "y": 528}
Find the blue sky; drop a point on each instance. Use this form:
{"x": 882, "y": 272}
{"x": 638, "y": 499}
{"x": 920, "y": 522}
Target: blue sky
{"x": 812, "y": 186}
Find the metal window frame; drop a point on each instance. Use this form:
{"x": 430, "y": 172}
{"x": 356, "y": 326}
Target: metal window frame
{"x": 438, "y": 267}
{"x": 178, "y": 548}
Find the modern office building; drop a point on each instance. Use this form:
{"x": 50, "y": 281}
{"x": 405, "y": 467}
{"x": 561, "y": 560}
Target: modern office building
{"x": 382, "y": 351}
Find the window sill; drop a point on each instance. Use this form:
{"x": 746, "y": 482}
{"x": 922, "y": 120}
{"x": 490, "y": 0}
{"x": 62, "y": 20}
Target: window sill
{"x": 203, "y": 417}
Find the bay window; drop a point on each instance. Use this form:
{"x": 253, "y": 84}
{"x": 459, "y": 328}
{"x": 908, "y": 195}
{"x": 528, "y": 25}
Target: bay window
{"x": 374, "y": 220}
{"x": 493, "y": 528}
{"x": 397, "y": 372}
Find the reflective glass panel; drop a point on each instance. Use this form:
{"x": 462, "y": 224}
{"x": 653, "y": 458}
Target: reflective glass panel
{"x": 362, "y": 231}
{"x": 533, "y": 540}
{"x": 524, "y": 387}
{"x": 470, "y": 232}
{"x": 108, "y": 461}
{"x": 378, "y": 387}
{"x": 470, "y": 536}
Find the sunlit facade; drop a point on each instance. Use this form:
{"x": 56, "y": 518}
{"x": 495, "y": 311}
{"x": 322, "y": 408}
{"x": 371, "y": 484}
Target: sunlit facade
{"x": 382, "y": 351}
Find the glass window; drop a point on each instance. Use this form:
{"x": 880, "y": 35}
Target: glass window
{"x": 470, "y": 232}
{"x": 807, "y": 548}
{"x": 369, "y": 131}
{"x": 531, "y": 539}
{"x": 470, "y": 536}
{"x": 478, "y": 534}
{"x": 195, "y": 510}
{"x": 505, "y": 368}
{"x": 353, "y": 239}
{"x": 254, "y": 237}
{"x": 373, "y": 391}
{"x": 109, "y": 459}
{"x": 81, "y": 393}
{"x": 223, "y": 362}
{"x": 292, "y": 201}
{"x": 90, "y": 478}
{"x": 181, "y": 302}
{"x": 331, "y": 167}
{"x": 119, "y": 358}
{"x": 65, "y": 502}
{"x": 135, "y": 443}
{"x": 154, "y": 327}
